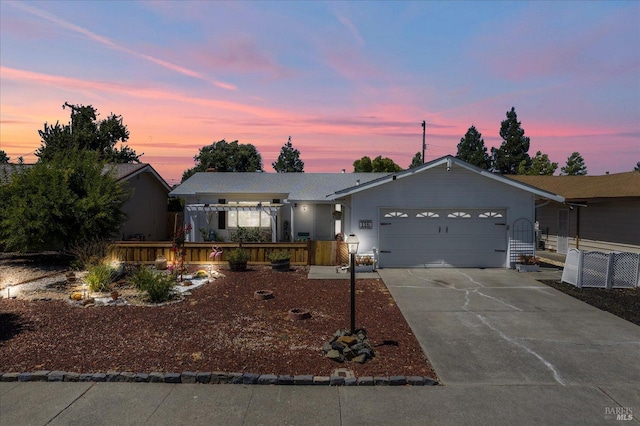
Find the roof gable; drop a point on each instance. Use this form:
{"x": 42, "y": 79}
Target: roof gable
{"x": 449, "y": 162}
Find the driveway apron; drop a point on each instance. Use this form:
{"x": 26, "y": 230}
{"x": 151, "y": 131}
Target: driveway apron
{"x": 500, "y": 327}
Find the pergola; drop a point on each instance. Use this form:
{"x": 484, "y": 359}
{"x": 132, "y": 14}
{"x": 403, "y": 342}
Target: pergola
{"x": 270, "y": 209}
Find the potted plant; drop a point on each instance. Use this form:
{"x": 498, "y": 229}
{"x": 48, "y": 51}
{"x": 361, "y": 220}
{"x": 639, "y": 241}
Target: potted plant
{"x": 237, "y": 259}
{"x": 527, "y": 263}
{"x": 365, "y": 263}
{"x": 280, "y": 260}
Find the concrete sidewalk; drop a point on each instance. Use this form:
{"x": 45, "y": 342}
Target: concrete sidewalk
{"x": 508, "y": 350}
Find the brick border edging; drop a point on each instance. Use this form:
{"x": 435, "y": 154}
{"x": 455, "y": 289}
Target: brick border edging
{"x": 216, "y": 378}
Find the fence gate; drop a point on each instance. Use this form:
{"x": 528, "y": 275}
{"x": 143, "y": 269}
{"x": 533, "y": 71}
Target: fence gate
{"x": 522, "y": 240}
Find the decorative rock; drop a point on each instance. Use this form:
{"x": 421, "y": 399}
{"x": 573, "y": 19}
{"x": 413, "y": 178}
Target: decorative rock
{"x": 40, "y": 376}
{"x": 326, "y": 347}
{"x": 24, "y": 377}
{"x": 203, "y": 377}
{"x": 156, "y": 377}
{"x": 85, "y": 377}
{"x": 397, "y": 380}
{"x": 338, "y": 346}
{"x": 113, "y": 376}
{"x": 172, "y": 378}
{"x": 335, "y": 355}
{"x": 285, "y": 379}
{"x": 141, "y": 378}
{"x": 361, "y": 359}
{"x": 336, "y": 381}
{"x": 99, "y": 377}
{"x": 365, "y": 381}
{"x": 321, "y": 380}
{"x": 250, "y": 378}
{"x": 268, "y": 379}
{"x": 347, "y": 340}
{"x": 188, "y": 377}
{"x": 303, "y": 380}
{"x": 71, "y": 377}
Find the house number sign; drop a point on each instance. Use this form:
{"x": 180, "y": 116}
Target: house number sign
{"x": 365, "y": 224}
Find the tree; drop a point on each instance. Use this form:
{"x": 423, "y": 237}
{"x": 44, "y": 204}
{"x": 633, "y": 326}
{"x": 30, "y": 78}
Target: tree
{"x": 86, "y": 132}
{"x": 472, "y": 150}
{"x": 575, "y": 165}
{"x": 637, "y": 167}
{"x": 540, "y": 165}
{"x": 4, "y": 159}
{"x": 416, "y": 161}
{"x": 62, "y": 201}
{"x": 514, "y": 149}
{"x": 378, "y": 165}
{"x": 226, "y": 157}
{"x": 289, "y": 160}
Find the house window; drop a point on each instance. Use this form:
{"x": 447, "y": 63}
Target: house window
{"x": 249, "y": 218}
{"x": 428, "y": 214}
{"x": 459, "y": 215}
{"x": 396, "y": 214}
{"x": 490, "y": 214}
{"x": 222, "y": 217}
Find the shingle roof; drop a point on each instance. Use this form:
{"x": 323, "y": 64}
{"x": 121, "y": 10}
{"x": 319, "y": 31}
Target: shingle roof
{"x": 585, "y": 187}
{"x": 121, "y": 171}
{"x": 298, "y": 186}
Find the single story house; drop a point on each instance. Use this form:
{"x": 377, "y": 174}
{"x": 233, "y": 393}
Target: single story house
{"x": 443, "y": 213}
{"x": 146, "y": 210}
{"x": 601, "y": 213}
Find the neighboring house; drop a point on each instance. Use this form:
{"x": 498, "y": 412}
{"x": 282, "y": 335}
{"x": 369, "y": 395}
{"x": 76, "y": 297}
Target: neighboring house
{"x": 443, "y": 213}
{"x": 146, "y": 210}
{"x": 601, "y": 212}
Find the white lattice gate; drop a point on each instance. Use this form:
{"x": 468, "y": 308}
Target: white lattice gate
{"x": 602, "y": 270}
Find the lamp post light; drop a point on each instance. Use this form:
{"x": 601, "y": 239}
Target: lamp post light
{"x": 353, "y": 242}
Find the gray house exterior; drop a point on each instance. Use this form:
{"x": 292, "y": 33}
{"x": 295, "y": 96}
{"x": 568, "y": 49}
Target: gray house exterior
{"x": 445, "y": 213}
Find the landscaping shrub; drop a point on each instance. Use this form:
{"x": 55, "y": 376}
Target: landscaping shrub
{"x": 99, "y": 277}
{"x": 159, "y": 287}
{"x": 88, "y": 253}
{"x": 250, "y": 235}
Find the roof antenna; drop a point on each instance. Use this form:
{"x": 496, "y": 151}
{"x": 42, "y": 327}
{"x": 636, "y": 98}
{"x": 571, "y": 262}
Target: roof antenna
{"x": 424, "y": 134}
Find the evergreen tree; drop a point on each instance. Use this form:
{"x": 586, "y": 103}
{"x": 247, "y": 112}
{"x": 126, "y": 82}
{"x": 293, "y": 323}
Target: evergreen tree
{"x": 514, "y": 149}
{"x": 575, "y": 165}
{"x": 4, "y": 159}
{"x": 63, "y": 200}
{"x": 86, "y": 132}
{"x": 416, "y": 161}
{"x": 226, "y": 157}
{"x": 472, "y": 150}
{"x": 378, "y": 165}
{"x": 540, "y": 165}
{"x": 637, "y": 167}
{"x": 289, "y": 160}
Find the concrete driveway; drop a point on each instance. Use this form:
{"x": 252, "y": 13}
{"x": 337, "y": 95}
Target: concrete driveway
{"x": 504, "y": 328}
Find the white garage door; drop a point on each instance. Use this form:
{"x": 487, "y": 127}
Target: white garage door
{"x": 443, "y": 237}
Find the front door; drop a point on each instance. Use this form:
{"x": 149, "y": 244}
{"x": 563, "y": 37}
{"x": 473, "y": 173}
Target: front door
{"x": 323, "y": 222}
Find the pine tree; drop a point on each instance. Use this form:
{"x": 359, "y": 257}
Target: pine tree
{"x": 514, "y": 149}
{"x": 416, "y": 161}
{"x": 472, "y": 150}
{"x": 289, "y": 160}
{"x": 540, "y": 165}
{"x": 575, "y": 165}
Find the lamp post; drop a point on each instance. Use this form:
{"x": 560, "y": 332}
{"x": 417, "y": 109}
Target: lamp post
{"x": 353, "y": 242}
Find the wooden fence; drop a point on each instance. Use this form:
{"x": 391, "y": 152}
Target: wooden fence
{"x": 302, "y": 253}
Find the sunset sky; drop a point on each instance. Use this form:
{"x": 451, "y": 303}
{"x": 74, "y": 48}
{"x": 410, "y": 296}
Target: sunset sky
{"x": 343, "y": 79}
